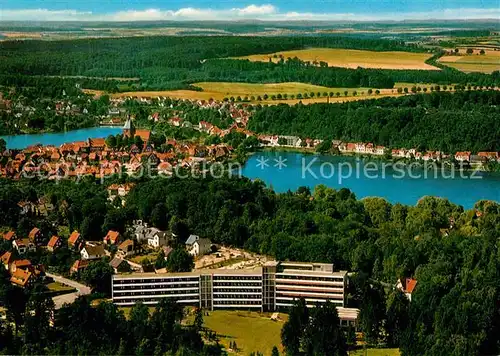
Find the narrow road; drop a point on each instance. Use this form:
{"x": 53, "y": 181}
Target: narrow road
{"x": 60, "y": 300}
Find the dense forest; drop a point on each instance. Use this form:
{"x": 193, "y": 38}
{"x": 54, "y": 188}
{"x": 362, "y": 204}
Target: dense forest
{"x": 452, "y": 253}
{"x": 177, "y": 62}
{"x": 463, "y": 121}
{"x": 85, "y": 329}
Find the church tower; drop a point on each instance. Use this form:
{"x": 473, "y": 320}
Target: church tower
{"x": 128, "y": 128}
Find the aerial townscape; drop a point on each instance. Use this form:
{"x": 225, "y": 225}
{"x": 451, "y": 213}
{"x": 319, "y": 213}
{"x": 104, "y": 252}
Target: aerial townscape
{"x": 291, "y": 178}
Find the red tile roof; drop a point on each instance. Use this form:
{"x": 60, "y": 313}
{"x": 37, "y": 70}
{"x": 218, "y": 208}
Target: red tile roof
{"x": 20, "y": 277}
{"x": 112, "y": 236}
{"x": 79, "y": 264}
{"x": 73, "y": 238}
{"x": 35, "y": 231}
{"x": 54, "y": 240}
{"x": 9, "y": 236}
{"x": 410, "y": 285}
{"x": 7, "y": 258}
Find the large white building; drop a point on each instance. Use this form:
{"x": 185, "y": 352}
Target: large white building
{"x": 272, "y": 287}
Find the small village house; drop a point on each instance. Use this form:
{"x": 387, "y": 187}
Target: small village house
{"x": 79, "y": 265}
{"x": 9, "y": 236}
{"x": 54, "y": 243}
{"x": 408, "y": 287}
{"x": 126, "y": 248}
{"x": 23, "y": 245}
{"x": 22, "y": 278}
{"x": 197, "y": 246}
{"x": 112, "y": 238}
{"x": 35, "y": 236}
{"x": 75, "y": 241}
{"x": 92, "y": 252}
{"x": 119, "y": 265}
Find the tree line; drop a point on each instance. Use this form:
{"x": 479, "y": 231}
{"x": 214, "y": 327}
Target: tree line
{"x": 463, "y": 121}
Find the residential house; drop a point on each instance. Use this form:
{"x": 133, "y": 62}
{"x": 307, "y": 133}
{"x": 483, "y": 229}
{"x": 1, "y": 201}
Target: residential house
{"x": 35, "y": 236}
{"x": 22, "y": 264}
{"x": 23, "y": 245}
{"x": 119, "y": 265}
{"x": 75, "y": 240}
{"x": 112, "y": 237}
{"x": 54, "y": 243}
{"x": 22, "y": 278}
{"x": 92, "y": 252}
{"x": 79, "y": 265}
{"x": 462, "y": 156}
{"x": 157, "y": 238}
{"x": 7, "y": 258}
{"x": 9, "y": 236}
{"x": 120, "y": 190}
{"x": 126, "y": 248}
{"x": 408, "y": 287}
{"x": 379, "y": 150}
{"x": 489, "y": 156}
{"x": 197, "y": 246}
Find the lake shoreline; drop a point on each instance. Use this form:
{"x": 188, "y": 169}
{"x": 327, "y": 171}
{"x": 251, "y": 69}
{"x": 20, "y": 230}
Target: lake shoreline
{"x": 366, "y": 179}
{"x": 368, "y": 157}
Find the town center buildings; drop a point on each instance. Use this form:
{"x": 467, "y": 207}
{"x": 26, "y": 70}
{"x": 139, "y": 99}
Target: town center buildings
{"x": 271, "y": 287}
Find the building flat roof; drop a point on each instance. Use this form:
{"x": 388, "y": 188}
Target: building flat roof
{"x": 196, "y": 273}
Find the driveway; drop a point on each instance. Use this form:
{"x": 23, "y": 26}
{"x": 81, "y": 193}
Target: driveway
{"x": 60, "y": 300}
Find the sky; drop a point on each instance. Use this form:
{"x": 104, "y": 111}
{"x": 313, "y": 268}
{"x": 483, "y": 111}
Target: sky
{"x": 272, "y": 10}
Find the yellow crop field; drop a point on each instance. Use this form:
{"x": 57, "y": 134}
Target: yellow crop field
{"x": 349, "y": 58}
{"x": 221, "y": 90}
{"x": 476, "y": 62}
{"x": 251, "y": 92}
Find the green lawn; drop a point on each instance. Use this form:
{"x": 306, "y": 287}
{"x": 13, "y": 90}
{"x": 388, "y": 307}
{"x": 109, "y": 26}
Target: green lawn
{"x": 252, "y": 331}
{"x": 59, "y": 287}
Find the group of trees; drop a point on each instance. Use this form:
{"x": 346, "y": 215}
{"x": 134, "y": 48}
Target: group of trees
{"x": 313, "y": 332}
{"x": 176, "y": 62}
{"x": 464, "y": 121}
{"x": 83, "y": 328}
{"x": 454, "y": 307}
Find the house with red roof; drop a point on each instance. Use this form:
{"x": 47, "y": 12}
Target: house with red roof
{"x": 79, "y": 265}
{"x": 112, "y": 237}
{"x": 9, "y": 236}
{"x": 22, "y": 278}
{"x": 54, "y": 243}
{"x": 7, "y": 258}
{"x": 35, "y": 236}
{"x": 75, "y": 240}
{"x": 408, "y": 288}
{"x": 462, "y": 156}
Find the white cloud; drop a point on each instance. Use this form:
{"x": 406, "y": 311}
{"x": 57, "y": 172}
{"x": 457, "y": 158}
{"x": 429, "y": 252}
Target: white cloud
{"x": 258, "y": 12}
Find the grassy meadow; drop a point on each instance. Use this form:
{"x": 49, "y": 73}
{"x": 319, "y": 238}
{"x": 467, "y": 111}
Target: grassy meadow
{"x": 349, "y": 58}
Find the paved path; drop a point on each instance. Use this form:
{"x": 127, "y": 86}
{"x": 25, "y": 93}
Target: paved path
{"x": 60, "y": 300}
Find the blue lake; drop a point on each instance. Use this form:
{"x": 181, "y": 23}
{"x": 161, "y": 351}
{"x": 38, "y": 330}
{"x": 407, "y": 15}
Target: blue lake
{"x": 57, "y": 139}
{"x": 365, "y": 178}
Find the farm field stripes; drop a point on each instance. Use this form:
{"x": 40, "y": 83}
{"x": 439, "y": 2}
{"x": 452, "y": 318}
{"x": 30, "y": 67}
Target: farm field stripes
{"x": 476, "y": 62}
{"x": 219, "y": 91}
{"x": 349, "y": 58}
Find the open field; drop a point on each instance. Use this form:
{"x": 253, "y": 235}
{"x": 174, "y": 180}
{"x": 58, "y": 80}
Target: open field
{"x": 252, "y": 331}
{"x": 349, "y": 58}
{"x": 219, "y": 91}
{"x": 486, "y": 63}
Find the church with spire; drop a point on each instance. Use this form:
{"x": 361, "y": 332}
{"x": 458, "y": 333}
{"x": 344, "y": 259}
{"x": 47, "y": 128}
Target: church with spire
{"x": 130, "y": 131}
{"x": 128, "y": 128}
